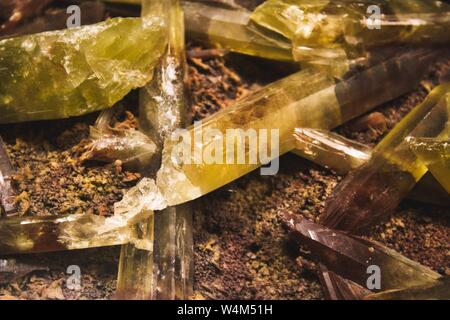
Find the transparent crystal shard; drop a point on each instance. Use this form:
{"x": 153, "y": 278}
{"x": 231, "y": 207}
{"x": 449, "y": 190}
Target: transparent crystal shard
{"x": 352, "y": 257}
{"x": 72, "y": 72}
{"x": 436, "y": 291}
{"x": 135, "y": 280}
{"x": 340, "y": 154}
{"x": 305, "y": 99}
{"x": 434, "y": 151}
{"x": 231, "y": 29}
{"x": 7, "y": 192}
{"x": 372, "y": 191}
{"x": 165, "y": 271}
{"x": 109, "y": 143}
{"x": 330, "y": 149}
{"x": 338, "y": 34}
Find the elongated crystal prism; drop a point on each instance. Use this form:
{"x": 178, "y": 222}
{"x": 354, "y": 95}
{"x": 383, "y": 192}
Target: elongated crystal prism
{"x": 434, "y": 152}
{"x": 357, "y": 259}
{"x": 230, "y": 29}
{"x": 372, "y": 191}
{"x": 436, "y": 291}
{"x": 308, "y": 98}
{"x": 165, "y": 271}
{"x": 330, "y": 150}
{"x": 72, "y": 72}
{"x": 337, "y": 153}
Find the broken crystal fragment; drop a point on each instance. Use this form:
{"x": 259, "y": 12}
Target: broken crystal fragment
{"x": 351, "y": 257}
{"x": 72, "y": 72}
{"x": 130, "y": 146}
{"x": 337, "y": 153}
{"x": 165, "y": 271}
{"x": 308, "y": 99}
{"x": 372, "y": 191}
{"x": 440, "y": 290}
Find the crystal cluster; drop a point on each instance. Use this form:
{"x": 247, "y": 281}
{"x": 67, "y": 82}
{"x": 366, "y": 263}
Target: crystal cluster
{"x": 350, "y": 257}
{"x": 342, "y": 155}
{"x": 72, "y": 72}
{"x": 308, "y": 99}
{"x": 337, "y": 34}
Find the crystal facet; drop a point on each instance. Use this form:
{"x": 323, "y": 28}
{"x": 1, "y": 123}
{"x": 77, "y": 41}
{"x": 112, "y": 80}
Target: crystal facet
{"x": 308, "y": 99}
{"x": 350, "y": 257}
{"x": 337, "y": 153}
{"x": 231, "y": 29}
{"x": 337, "y": 34}
{"x": 372, "y": 191}
{"x": 440, "y": 290}
{"x": 434, "y": 152}
{"x": 72, "y": 72}
{"x": 165, "y": 271}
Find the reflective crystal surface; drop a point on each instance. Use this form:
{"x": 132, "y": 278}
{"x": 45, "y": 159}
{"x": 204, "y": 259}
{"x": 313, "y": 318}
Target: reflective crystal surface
{"x": 231, "y": 29}
{"x": 350, "y": 257}
{"x": 336, "y": 34}
{"x": 434, "y": 152}
{"x": 371, "y": 192}
{"x": 330, "y": 149}
{"x": 305, "y": 99}
{"x": 165, "y": 271}
{"x": 337, "y": 288}
{"x": 341, "y": 155}
{"x": 72, "y": 72}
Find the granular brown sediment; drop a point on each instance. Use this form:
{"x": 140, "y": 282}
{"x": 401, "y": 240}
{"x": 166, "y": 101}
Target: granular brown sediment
{"x": 50, "y": 179}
